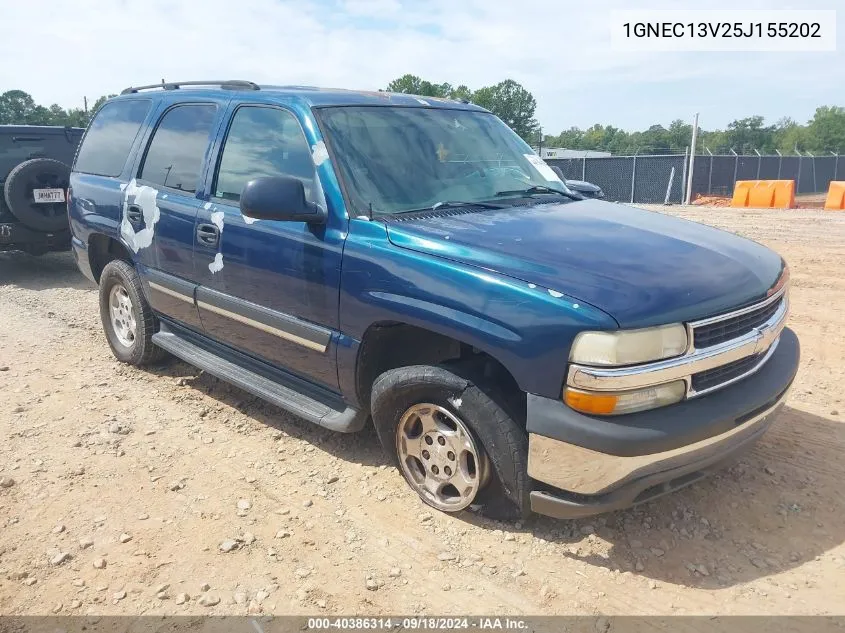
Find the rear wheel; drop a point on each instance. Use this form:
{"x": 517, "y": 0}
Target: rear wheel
{"x": 128, "y": 320}
{"x": 454, "y": 445}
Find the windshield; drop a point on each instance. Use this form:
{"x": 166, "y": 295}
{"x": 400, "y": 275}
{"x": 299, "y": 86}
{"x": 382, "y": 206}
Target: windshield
{"x": 399, "y": 159}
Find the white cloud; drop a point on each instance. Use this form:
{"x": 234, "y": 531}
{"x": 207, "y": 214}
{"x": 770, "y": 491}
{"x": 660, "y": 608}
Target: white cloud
{"x": 560, "y": 50}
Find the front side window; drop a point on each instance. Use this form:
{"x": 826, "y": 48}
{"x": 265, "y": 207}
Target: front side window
{"x": 399, "y": 159}
{"x": 110, "y": 136}
{"x": 175, "y": 155}
{"x": 263, "y": 141}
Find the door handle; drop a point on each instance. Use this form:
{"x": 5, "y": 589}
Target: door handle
{"x": 208, "y": 234}
{"x": 134, "y": 214}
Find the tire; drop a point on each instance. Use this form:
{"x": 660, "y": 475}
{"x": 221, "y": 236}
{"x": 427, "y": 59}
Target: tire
{"x": 34, "y": 174}
{"x": 120, "y": 284}
{"x": 445, "y": 394}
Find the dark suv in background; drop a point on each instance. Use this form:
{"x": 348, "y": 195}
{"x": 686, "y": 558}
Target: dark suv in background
{"x": 34, "y": 173}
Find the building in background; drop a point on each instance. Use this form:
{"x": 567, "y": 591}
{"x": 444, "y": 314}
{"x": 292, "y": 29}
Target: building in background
{"x": 560, "y": 153}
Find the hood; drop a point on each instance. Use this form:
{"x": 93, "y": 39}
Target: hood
{"x": 640, "y": 267}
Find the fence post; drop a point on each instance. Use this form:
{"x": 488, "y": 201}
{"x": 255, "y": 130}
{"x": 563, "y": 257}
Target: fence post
{"x": 815, "y": 185}
{"x": 798, "y": 180}
{"x": 687, "y": 181}
{"x": 710, "y": 174}
{"x": 835, "y": 166}
{"x": 634, "y": 177}
{"x": 759, "y": 160}
{"x": 780, "y": 161}
{"x": 584, "y": 167}
{"x": 736, "y": 169}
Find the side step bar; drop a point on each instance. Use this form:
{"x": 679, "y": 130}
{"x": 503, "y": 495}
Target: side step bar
{"x": 284, "y": 395}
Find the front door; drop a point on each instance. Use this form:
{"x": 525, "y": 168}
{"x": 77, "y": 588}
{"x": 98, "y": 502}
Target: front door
{"x": 268, "y": 288}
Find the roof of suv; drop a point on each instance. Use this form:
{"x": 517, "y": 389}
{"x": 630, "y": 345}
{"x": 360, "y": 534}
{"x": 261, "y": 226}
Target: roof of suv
{"x": 313, "y": 96}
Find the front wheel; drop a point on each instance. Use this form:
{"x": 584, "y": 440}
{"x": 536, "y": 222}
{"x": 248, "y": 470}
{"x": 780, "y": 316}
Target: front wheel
{"x": 454, "y": 445}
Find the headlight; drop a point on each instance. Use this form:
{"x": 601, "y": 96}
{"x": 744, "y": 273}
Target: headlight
{"x": 629, "y": 347}
{"x": 617, "y": 403}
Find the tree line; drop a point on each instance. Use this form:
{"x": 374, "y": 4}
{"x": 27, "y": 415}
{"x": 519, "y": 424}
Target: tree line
{"x": 516, "y": 106}
{"x": 19, "y": 108}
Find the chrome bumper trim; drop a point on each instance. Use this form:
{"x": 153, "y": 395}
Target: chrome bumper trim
{"x": 759, "y": 340}
{"x": 588, "y": 472}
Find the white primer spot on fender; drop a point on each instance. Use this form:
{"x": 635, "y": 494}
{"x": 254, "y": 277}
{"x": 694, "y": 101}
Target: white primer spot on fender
{"x": 217, "y": 265}
{"x": 206, "y": 206}
{"x": 423, "y": 101}
{"x": 555, "y": 293}
{"x": 217, "y": 220}
{"x": 532, "y": 286}
{"x": 576, "y": 305}
{"x": 248, "y": 219}
{"x": 319, "y": 153}
{"x": 456, "y": 402}
{"x": 144, "y": 197}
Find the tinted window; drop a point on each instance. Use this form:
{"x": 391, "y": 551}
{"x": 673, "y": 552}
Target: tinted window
{"x": 110, "y": 137}
{"x": 174, "y": 158}
{"x": 263, "y": 142}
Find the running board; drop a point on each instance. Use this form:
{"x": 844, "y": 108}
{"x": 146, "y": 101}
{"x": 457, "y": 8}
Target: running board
{"x": 285, "y": 396}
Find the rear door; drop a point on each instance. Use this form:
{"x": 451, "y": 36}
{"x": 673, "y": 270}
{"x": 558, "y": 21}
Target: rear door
{"x": 268, "y": 288}
{"x": 162, "y": 203}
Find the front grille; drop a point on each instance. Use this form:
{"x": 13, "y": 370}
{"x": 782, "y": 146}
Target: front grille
{"x": 714, "y": 333}
{"x": 719, "y": 375}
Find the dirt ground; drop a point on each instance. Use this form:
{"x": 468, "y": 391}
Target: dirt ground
{"x": 121, "y": 485}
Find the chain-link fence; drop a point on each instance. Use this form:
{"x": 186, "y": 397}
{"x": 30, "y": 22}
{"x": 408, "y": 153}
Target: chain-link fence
{"x": 716, "y": 175}
{"x": 654, "y": 179}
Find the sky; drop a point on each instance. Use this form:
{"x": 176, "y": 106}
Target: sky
{"x": 558, "y": 49}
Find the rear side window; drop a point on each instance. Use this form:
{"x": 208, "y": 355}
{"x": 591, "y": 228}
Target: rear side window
{"x": 110, "y": 136}
{"x": 175, "y": 155}
{"x": 263, "y": 141}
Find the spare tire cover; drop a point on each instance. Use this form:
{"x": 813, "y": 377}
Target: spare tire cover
{"x": 38, "y": 173}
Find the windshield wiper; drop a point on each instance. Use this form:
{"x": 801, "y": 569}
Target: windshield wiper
{"x": 538, "y": 189}
{"x": 452, "y": 204}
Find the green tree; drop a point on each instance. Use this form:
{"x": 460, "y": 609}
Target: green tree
{"x": 826, "y": 130}
{"x": 16, "y": 107}
{"x": 746, "y": 135}
{"x": 413, "y": 85}
{"x": 512, "y": 103}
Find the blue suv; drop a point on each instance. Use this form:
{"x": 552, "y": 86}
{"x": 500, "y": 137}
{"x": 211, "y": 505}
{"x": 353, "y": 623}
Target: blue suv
{"x": 353, "y": 256}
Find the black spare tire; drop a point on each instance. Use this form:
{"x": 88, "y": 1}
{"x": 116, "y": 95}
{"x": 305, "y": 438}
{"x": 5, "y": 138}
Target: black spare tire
{"x": 23, "y": 180}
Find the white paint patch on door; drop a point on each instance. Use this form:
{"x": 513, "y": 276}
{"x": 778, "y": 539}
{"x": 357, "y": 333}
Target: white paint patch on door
{"x": 217, "y": 220}
{"x": 217, "y": 265}
{"x": 145, "y": 198}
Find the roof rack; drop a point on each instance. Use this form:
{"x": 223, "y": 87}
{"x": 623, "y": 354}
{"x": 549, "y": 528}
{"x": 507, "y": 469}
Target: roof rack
{"x": 225, "y": 84}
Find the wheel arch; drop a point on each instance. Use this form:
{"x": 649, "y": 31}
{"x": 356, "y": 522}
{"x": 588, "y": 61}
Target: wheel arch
{"x": 103, "y": 249}
{"x": 390, "y": 344}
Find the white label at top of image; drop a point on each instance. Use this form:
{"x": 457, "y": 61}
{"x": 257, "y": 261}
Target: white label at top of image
{"x": 720, "y": 30}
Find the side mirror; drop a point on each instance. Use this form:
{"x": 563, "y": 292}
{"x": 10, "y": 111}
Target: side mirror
{"x": 279, "y": 198}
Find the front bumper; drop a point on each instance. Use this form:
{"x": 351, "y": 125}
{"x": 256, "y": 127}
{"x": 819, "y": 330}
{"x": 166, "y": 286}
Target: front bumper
{"x": 587, "y": 465}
